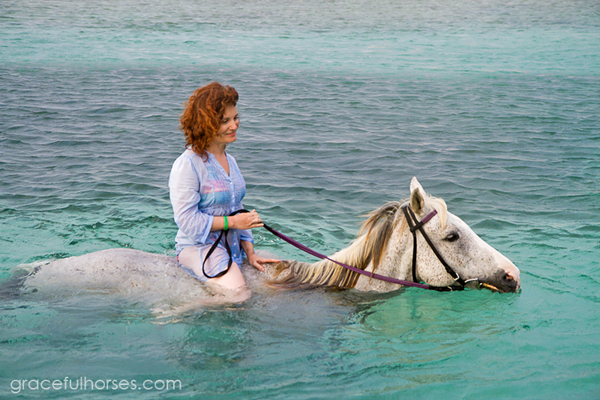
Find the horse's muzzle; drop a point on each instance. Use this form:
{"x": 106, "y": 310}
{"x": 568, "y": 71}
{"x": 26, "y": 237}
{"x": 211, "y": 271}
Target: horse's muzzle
{"x": 505, "y": 280}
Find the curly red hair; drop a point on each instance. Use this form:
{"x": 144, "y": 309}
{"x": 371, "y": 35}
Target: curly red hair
{"x": 201, "y": 119}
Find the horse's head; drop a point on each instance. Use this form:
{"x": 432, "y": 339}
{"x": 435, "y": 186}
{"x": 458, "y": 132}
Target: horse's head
{"x": 465, "y": 252}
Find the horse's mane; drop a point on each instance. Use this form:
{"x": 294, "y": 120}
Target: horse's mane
{"x": 368, "y": 247}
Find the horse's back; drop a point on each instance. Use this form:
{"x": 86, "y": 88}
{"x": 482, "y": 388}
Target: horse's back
{"x": 113, "y": 261}
{"x": 112, "y": 269}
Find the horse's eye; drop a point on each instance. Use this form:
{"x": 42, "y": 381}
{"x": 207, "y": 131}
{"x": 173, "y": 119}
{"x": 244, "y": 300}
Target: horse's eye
{"x": 452, "y": 237}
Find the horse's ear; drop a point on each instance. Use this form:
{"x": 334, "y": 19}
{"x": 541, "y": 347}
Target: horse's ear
{"x": 417, "y": 202}
{"x": 417, "y": 196}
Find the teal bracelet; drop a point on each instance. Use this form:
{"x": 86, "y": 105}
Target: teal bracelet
{"x": 226, "y": 224}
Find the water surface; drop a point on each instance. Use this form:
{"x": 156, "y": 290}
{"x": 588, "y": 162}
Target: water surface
{"x": 494, "y": 106}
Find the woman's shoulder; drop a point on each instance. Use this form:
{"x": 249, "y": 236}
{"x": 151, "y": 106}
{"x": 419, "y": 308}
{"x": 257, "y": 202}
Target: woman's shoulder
{"x": 190, "y": 155}
{"x": 189, "y": 158}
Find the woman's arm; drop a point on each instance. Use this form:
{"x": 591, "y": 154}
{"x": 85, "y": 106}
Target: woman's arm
{"x": 184, "y": 194}
{"x": 241, "y": 221}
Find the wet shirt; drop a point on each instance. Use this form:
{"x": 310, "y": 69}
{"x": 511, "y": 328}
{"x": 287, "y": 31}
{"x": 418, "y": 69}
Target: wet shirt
{"x": 200, "y": 190}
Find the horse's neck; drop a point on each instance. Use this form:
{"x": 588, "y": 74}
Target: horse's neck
{"x": 354, "y": 255}
{"x": 396, "y": 262}
{"x": 328, "y": 273}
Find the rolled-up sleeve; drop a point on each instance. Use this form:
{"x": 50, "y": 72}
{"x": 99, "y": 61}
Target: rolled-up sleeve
{"x": 246, "y": 235}
{"x": 184, "y": 191}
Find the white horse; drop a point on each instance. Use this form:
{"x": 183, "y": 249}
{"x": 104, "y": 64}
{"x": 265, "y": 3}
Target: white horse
{"x": 384, "y": 245}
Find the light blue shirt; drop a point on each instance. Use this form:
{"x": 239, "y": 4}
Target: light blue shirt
{"x": 199, "y": 191}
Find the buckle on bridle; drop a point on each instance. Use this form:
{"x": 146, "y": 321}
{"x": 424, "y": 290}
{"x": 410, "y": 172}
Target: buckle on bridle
{"x": 472, "y": 284}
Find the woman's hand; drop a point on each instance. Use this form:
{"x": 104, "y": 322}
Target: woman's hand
{"x": 256, "y": 261}
{"x": 247, "y": 220}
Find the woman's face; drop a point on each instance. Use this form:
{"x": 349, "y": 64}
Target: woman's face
{"x": 229, "y": 126}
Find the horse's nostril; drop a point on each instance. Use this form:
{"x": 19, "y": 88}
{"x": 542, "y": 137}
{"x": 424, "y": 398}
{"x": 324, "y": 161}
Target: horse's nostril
{"x": 511, "y": 274}
{"x": 511, "y": 282}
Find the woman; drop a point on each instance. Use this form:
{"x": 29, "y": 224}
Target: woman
{"x": 206, "y": 186}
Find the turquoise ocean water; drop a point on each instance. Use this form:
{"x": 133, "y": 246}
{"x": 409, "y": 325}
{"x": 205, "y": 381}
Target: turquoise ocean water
{"x": 493, "y": 105}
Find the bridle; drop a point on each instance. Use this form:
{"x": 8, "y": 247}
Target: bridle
{"x": 414, "y": 224}
{"x": 417, "y": 226}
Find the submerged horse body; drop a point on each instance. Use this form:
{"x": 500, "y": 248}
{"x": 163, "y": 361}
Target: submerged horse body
{"x": 384, "y": 245}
